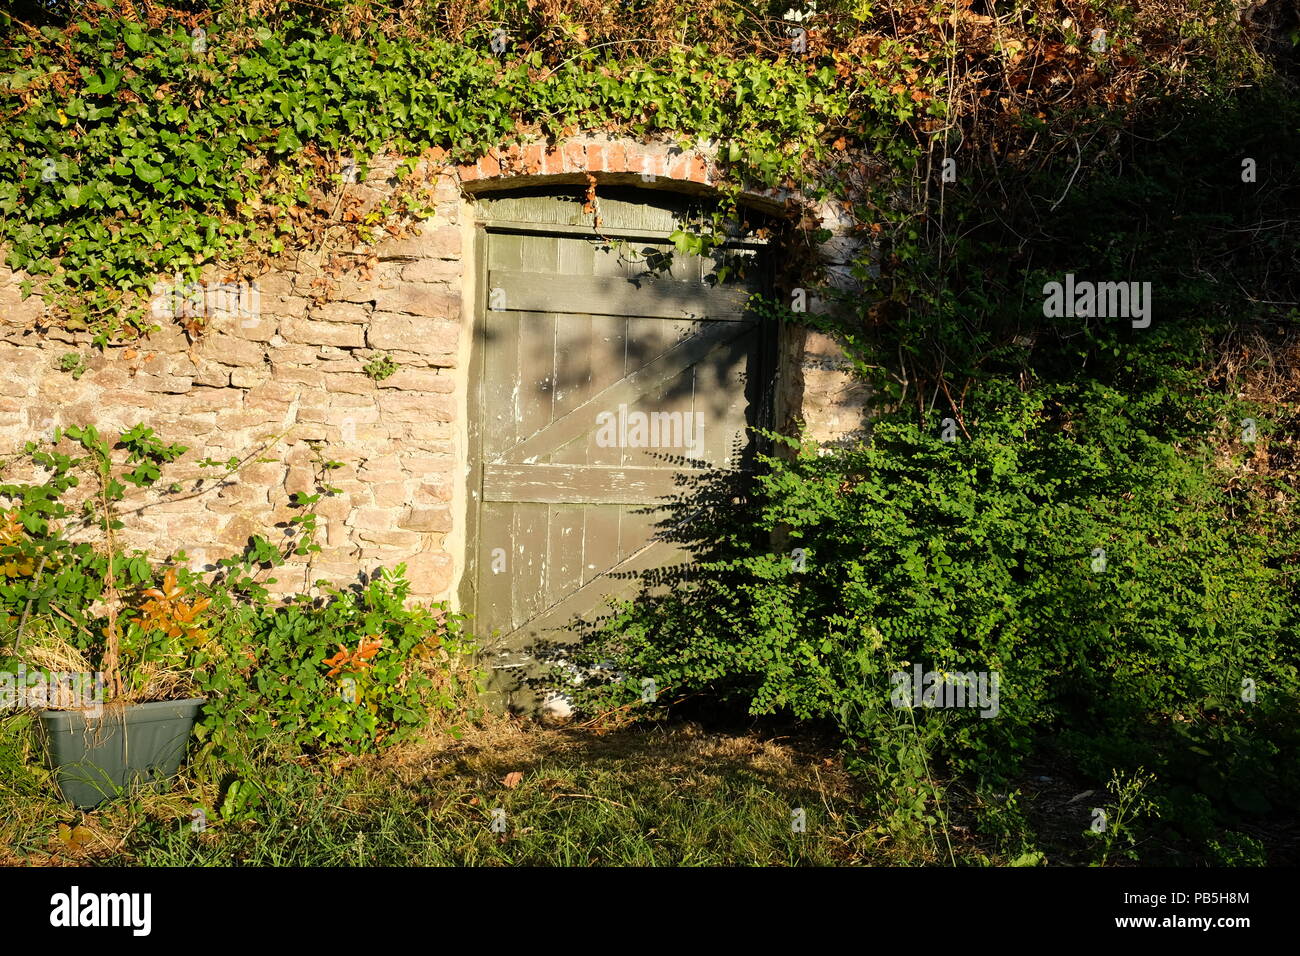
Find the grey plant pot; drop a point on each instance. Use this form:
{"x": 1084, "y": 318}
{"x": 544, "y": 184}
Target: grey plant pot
{"x": 138, "y": 746}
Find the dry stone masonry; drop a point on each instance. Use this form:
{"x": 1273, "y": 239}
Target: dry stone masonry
{"x": 283, "y": 387}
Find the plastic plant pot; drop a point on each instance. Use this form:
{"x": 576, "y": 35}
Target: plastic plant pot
{"x": 100, "y": 758}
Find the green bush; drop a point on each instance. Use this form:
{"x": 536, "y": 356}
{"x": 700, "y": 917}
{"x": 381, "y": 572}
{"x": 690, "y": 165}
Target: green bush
{"x": 355, "y": 670}
{"x": 1101, "y": 532}
{"x": 352, "y": 668}
{"x": 983, "y": 554}
{"x": 1238, "y": 849}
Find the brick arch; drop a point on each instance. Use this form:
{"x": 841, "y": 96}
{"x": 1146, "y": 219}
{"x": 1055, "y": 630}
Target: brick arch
{"x": 611, "y": 162}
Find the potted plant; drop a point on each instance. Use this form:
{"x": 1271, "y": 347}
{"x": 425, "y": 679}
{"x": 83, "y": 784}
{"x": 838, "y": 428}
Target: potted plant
{"x": 100, "y": 645}
{"x": 98, "y": 751}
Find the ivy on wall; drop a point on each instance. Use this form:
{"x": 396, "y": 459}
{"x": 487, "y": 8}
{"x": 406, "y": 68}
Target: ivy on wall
{"x": 129, "y": 150}
{"x": 139, "y": 139}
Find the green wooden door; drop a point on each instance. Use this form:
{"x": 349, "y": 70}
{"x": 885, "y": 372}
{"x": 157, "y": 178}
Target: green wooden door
{"x": 609, "y": 374}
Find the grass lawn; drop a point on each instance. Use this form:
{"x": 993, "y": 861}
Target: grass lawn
{"x": 651, "y": 797}
{"x": 673, "y": 795}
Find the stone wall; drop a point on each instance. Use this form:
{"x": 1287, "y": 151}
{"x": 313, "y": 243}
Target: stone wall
{"x": 284, "y": 389}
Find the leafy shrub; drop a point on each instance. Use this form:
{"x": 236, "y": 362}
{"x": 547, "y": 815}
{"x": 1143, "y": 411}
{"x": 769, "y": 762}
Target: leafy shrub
{"x": 1100, "y": 532}
{"x": 981, "y": 555}
{"x": 356, "y": 669}
{"x": 1238, "y": 849}
{"x": 88, "y": 593}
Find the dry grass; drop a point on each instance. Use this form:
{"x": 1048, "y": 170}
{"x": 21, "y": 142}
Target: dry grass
{"x": 44, "y": 647}
{"x": 1262, "y": 368}
{"x": 650, "y": 796}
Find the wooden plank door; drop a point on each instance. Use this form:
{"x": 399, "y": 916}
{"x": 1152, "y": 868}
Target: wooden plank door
{"x": 611, "y": 375}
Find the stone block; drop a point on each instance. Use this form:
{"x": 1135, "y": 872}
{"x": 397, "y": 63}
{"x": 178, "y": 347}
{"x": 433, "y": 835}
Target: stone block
{"x": 419, "y": 336}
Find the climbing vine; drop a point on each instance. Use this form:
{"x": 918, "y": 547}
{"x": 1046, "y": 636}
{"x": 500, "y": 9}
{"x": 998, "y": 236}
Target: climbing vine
{"x": 131, "y": 149}
{"x": 140, "y": 139}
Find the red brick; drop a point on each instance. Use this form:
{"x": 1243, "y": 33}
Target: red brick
{"x": 468, "y": 173}
{"x": 697, "y": 170}
{"x": 489, "y": 165}
{"x": 596, "y": 161}
{"x": 507, "y": 159}
{"x": 533, "y": 159}
{"x": 615, "y": 158}
{"x": 676, "y": 165}
{"x": 644, "y": 162}
{"x": 521, "y": 155}
{"x": 575, "y": 158}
